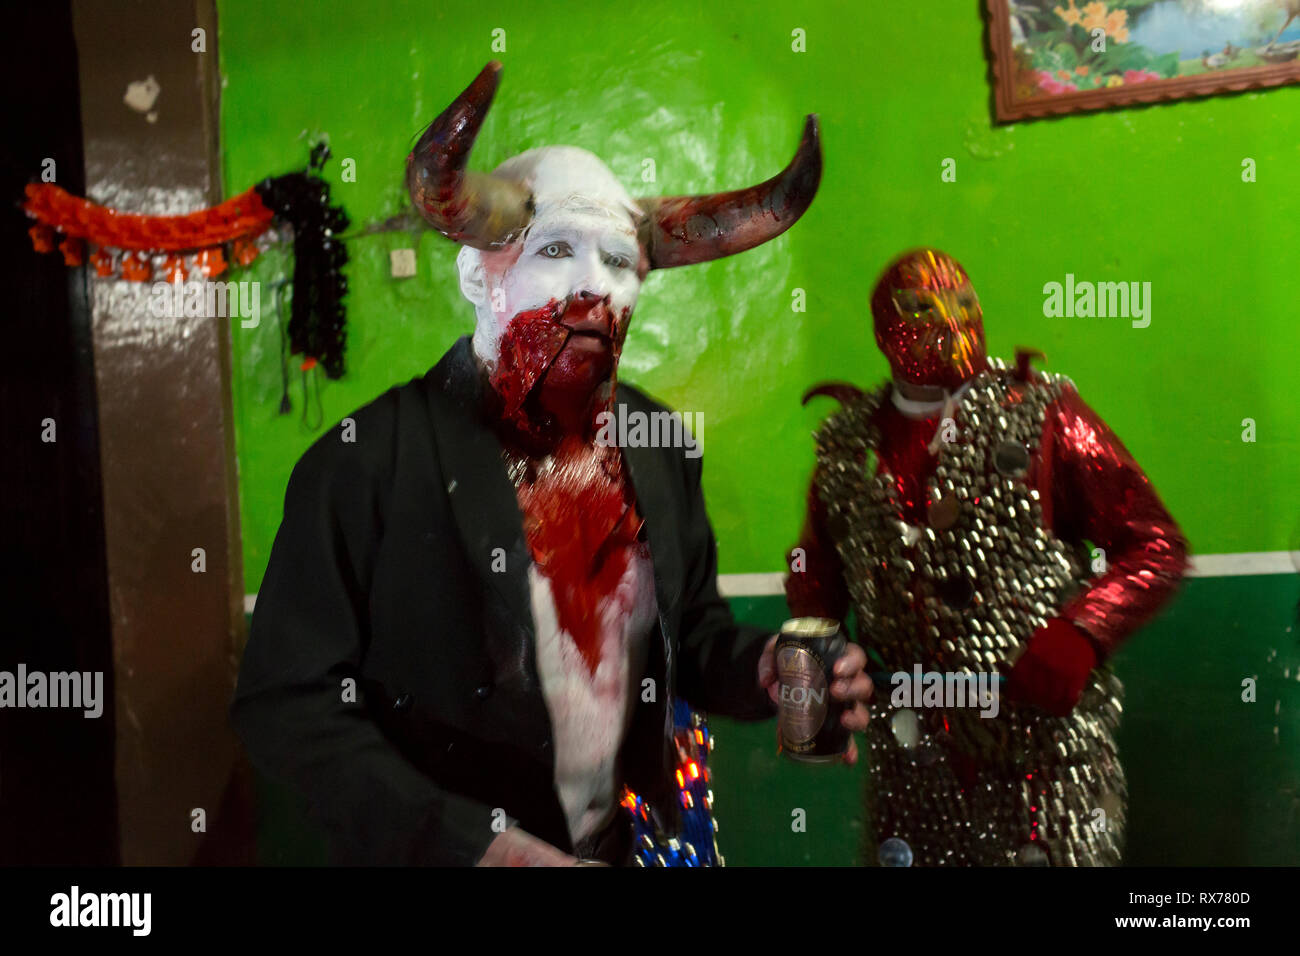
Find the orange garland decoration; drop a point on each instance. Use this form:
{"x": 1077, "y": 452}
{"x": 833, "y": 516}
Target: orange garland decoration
{"x": 211, "y": 262}
{"x": 244, "y": 252}
{"x": 126, "y": 243}
{"x": 103, "y": 260}
{"x": 242, "y": 216}
{"x": 174, "y": 268}
{"x": 136, "y": 267}
{"x": 74, "y": 251}
{"x": 42, "y": 238}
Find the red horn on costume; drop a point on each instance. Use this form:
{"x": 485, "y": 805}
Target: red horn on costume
{"x": 683, "y": 230}
{"x": 482, "y": 211}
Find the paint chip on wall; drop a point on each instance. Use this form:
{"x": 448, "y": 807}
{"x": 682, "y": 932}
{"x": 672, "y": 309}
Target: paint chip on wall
{"x": 141, "y": 96}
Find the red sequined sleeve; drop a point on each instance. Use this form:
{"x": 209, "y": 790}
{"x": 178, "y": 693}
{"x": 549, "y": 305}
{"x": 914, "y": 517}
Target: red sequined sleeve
{"x": 1098, "y": 492}
{"x": 818, "y": 590}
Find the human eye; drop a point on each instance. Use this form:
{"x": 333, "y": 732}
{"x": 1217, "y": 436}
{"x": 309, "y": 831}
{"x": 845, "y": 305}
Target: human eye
{"x": 616, "y": 260}
{"x": 555, "y": 250}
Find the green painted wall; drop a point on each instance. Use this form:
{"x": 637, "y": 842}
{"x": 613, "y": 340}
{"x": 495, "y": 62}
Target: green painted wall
{"x": 1150, "y": 194}
{"x": 715, "y": 99}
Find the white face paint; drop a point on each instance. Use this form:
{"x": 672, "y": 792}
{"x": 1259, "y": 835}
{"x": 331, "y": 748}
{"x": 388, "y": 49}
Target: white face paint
{"x": 582, "y": 239}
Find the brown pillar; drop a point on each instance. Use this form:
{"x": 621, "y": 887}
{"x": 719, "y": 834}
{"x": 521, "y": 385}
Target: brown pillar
{"x": 166, "y": 433}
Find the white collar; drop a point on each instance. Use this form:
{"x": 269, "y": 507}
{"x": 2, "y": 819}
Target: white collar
{"x": 914, "y": 409}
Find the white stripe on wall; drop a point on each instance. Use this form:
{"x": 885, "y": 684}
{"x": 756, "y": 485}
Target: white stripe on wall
{"x": 1203, "y": 566}
{"x": 1247, "y": 562}
{"x": 750, "y": 585}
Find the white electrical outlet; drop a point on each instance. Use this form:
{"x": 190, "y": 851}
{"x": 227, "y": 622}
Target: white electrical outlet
{"x": 403, "y": 263}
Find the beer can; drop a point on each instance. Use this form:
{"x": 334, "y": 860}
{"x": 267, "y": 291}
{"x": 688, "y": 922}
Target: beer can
{"x": 809, "y": 717}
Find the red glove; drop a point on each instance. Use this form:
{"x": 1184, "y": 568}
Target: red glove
{"x": 1052, "y": 671}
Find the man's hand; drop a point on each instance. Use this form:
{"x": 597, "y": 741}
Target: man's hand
{"x": 1053, "y": 669}
{"x": 515, "y": 847}
{"x": 851, "y": 685}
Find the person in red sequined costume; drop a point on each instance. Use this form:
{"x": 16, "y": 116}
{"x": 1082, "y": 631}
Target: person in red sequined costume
{"x": 1082, "y": 482}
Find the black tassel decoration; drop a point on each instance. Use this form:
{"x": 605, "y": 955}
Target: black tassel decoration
{"x": 317, "y": 322}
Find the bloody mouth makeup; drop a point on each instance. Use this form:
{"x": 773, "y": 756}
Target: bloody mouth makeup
{"x": 553, "y": 361}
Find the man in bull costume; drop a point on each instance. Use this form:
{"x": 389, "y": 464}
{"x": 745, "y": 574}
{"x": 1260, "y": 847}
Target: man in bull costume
{"x": 950, "y": 509}
{"x": 518, "y": 601}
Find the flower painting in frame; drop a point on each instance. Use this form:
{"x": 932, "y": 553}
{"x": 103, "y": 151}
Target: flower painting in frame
{"x": 1062, "y": 56}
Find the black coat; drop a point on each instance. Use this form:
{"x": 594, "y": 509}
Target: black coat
{"x": 382, "y": 572}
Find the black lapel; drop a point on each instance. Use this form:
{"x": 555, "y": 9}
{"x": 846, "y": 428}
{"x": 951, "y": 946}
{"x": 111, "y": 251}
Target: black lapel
{"x": 482, "y": 499}
{"x": 652, "y": 479}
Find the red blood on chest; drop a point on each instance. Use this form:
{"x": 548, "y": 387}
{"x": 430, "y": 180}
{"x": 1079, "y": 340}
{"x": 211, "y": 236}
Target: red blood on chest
{"x": 581, "y": 524}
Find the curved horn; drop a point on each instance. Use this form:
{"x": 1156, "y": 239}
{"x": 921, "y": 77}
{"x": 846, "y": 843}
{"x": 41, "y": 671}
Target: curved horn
{"x": 472, "y": 208}
{"x": 682, "y": 230}
{"x": 842, "y": 392}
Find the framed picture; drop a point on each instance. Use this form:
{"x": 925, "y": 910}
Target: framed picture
{"x": 1063, "y": 56}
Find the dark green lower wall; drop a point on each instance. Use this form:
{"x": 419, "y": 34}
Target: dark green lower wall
{"x": 1212, "y": 780}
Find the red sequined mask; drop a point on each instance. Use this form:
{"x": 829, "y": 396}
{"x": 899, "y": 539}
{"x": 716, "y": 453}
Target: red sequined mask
{"x": 928, "y": 320}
